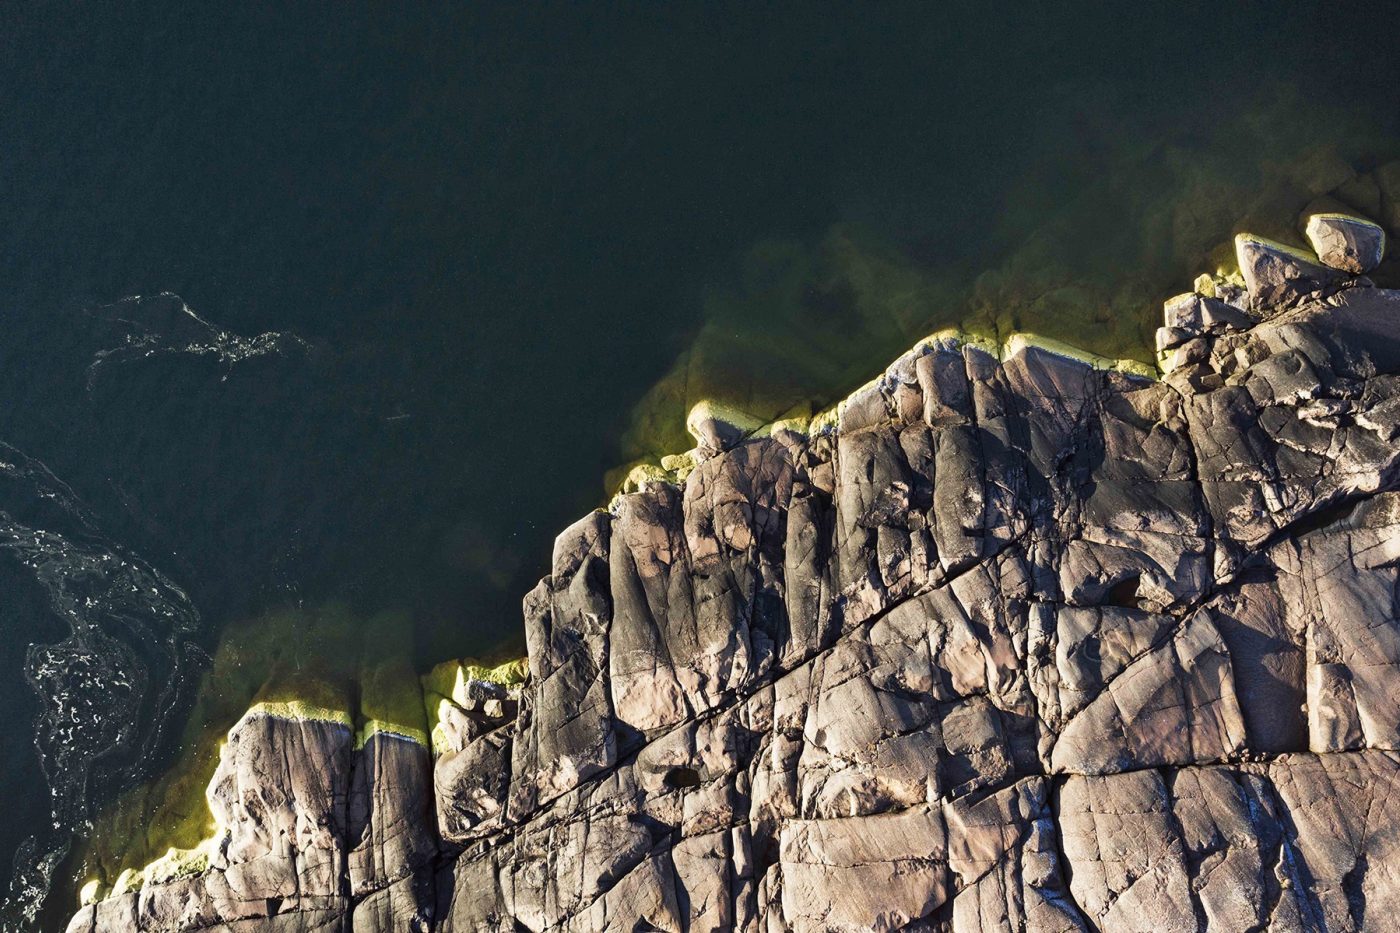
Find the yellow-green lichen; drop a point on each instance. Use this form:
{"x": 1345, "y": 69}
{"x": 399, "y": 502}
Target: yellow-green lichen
{"x": 643, "y": 475}
{"x": 679, "y": 465}
{"x": 373, "y": 727}
{"x": 325, "y": 664}
{"x": 1019, "y": 343}
{"x": 711, "y": 410}
{"x": 446, "y": 687}
{"x": 390, "y": 701}
{"x": 801, "y": 424}
{"x": 1349, "y": 218}
{"x": 449, "y": 679}
{"x": 828, "y": 419}
{"x": 181, "y": 863}
{"x": 130, "y": 880}
{"x": 1295, "y": 252}
{"x": 302, "y": 711}
{"x": 91, "y": 892}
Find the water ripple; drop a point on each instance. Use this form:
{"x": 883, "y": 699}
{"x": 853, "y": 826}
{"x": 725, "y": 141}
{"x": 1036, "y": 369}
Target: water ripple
{"x": 109, "y": 689}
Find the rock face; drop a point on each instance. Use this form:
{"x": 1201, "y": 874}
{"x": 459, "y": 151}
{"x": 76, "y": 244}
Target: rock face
{"x": 1018, "y": 644}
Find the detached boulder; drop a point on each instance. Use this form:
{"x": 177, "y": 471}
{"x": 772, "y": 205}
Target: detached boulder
{"x": 1345, "y": 242}
{"x": 1278, "y": 275}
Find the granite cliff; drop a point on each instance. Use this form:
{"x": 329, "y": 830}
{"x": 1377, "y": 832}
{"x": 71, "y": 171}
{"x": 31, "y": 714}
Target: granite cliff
{"x": 1014, "y": 639}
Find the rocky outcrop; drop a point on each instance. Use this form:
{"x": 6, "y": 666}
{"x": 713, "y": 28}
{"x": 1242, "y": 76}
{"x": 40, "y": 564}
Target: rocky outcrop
{"x": 1012, "y": 641}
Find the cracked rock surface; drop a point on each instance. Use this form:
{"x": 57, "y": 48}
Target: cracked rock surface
{"x": 1018, "y": 645}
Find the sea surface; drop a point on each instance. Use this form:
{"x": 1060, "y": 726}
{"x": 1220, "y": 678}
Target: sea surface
{"x": 317, "y": 323}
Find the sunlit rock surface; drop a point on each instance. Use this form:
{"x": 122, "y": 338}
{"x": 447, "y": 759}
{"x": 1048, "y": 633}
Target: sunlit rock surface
{"x": 1345, "y": 242}
{"x": 1016, "y": 642}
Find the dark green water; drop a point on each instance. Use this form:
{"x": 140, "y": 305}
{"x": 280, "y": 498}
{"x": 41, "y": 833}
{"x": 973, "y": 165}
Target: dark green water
{"x": 497, "y": 249}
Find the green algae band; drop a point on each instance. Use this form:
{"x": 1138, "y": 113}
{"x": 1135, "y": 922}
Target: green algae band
{"x": 326, "y": 665}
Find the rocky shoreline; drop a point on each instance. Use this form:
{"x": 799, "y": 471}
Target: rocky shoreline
{"x": 1012, "y": 640}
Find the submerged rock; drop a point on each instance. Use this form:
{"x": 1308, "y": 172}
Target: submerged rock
{"x": 1014, "y": 641}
